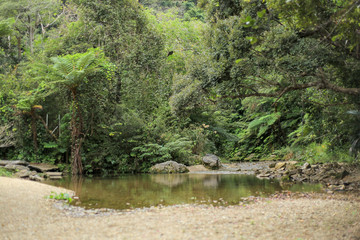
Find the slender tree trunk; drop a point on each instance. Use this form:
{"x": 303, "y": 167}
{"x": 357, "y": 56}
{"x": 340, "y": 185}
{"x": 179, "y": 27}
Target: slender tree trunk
{"x": 19, "y": 47}
{"x": 76, "y": 138}
{"x": 33, "y": 129}
{"x": 31, "y": 35}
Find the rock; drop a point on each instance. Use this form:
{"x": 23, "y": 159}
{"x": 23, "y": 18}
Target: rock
{"x": 15, "y": 162}
{"x": 336, "y": 187}
{"x": 36, "y": 178}
{"x": 23, "y": 173}
{"x": 55, "y": 177}
{"x": 264, "y": 174}
{"x": 341, "y": 174}
{"x": 306, "y": 166}
{"x": 211, "y": 161}
{"x": 14, "y": 168}
{"x": 315, "y": 167}
{"x": 290, "y": 166}
{"x": 49, "y": 174}
{"x": 169, "y": 167}
{"x": 43, "y": 167}
{"x": 280, "y": 165}
{"x": 272, "y": 165}
{"x": 293, "y": 172}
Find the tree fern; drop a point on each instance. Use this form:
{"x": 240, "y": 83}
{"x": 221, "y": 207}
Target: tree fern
{"x": 62, "y": 65}
{"x": 263, "y": 123}
{"x": 85, "y": 61}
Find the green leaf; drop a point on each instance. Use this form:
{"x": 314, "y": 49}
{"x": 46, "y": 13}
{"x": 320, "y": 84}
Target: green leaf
{"x": 239, "y": 60}
{"x": 261, "y": 14}
{"x": 50, "y": 145}
{"x": 252, "y": 40}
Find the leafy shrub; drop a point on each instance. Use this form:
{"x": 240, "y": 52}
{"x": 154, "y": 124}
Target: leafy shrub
{"x": 149, "y": 154}
{"x": 60, "y": 196}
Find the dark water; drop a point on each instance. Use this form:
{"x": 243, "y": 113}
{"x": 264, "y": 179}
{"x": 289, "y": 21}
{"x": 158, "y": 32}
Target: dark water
{"x": 136, "y": 191}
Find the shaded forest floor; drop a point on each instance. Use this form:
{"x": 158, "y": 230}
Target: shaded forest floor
{"x": 25, "y": 213}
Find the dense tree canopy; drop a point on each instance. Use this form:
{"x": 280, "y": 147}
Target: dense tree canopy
{"x": 117, "y": 86}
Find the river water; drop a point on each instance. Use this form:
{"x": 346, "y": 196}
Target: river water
{"x": 145, "y": 190}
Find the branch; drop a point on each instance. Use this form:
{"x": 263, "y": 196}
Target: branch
{"x": 46, "y": 127}
{"x": 342, "y": 17}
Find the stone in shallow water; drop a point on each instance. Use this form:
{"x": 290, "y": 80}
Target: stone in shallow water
{"x": 169, "y": 167}
{"x": 36, "y": 178}
{"x": 211, "y": 161}
{"x": 280, "y": 165}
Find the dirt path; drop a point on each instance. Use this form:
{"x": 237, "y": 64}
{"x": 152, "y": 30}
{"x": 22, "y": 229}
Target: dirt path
{"x": 26, "y": 214}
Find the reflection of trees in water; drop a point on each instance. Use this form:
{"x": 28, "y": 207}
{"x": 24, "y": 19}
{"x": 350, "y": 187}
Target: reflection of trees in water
{"x": 211, "y": 181}
{"x": 77, "y": 182}
{"x": 149, "y": 190}
{"x": 171, "y": 180}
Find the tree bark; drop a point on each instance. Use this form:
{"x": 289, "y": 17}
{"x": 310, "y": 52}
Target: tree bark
{"x": 19, "y": 47}
{"x": 76, "y": 138}
{"x": 33, "y": 128}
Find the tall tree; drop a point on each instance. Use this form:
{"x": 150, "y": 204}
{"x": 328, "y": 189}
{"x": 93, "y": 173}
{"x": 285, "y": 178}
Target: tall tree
{"x": 31, "y": 15}
{"x": 74, "y": 71}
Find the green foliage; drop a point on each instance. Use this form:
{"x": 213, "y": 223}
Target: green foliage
{"x": 147, "y": 81}
{"x": 5, "y": 173}
{"x": 149, "y": 154}
{"x": 60, "y": 196}
{"x": 262, "y": 124}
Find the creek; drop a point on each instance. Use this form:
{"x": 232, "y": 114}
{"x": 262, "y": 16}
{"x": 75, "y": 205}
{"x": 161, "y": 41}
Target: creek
{"x": 146, "y": 190}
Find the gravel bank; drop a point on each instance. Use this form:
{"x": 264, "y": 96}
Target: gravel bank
{"x": 26, "y": 214}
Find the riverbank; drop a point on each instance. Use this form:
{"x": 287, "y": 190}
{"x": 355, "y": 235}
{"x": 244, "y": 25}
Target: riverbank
{"x": 25, "y": 213}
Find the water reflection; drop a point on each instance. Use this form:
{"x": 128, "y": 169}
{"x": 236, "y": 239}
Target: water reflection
{"x": 171, "y": 180}
{"x": 168, "y": 189}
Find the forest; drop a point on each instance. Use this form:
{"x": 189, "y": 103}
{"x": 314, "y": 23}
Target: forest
{"x": 116, "y": 86}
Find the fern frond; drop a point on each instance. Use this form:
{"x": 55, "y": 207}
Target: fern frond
{"x": 63, "y": 65}
{"x": 85, "y": 61}
{"x": 267, "y": 120}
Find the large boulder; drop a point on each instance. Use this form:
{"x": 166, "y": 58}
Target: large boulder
{"x": 169, "y": 167}
{"x": 211, "y": 161}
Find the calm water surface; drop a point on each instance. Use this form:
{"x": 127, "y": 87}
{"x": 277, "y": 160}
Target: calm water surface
{"x": 137, "y": 191}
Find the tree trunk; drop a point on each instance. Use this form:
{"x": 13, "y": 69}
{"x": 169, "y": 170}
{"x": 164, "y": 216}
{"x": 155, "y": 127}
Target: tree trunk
{"x": 76, "y": 138}
{"x": 33, "y": 129}
{"x": 19, "y": 47}
{"x": 31, "y": 35}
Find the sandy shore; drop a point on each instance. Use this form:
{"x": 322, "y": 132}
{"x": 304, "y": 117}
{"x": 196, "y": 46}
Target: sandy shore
{"x": 25, "y": 213}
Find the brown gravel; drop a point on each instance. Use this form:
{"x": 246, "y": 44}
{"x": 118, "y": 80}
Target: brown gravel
{"x": 26, "y": 214}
